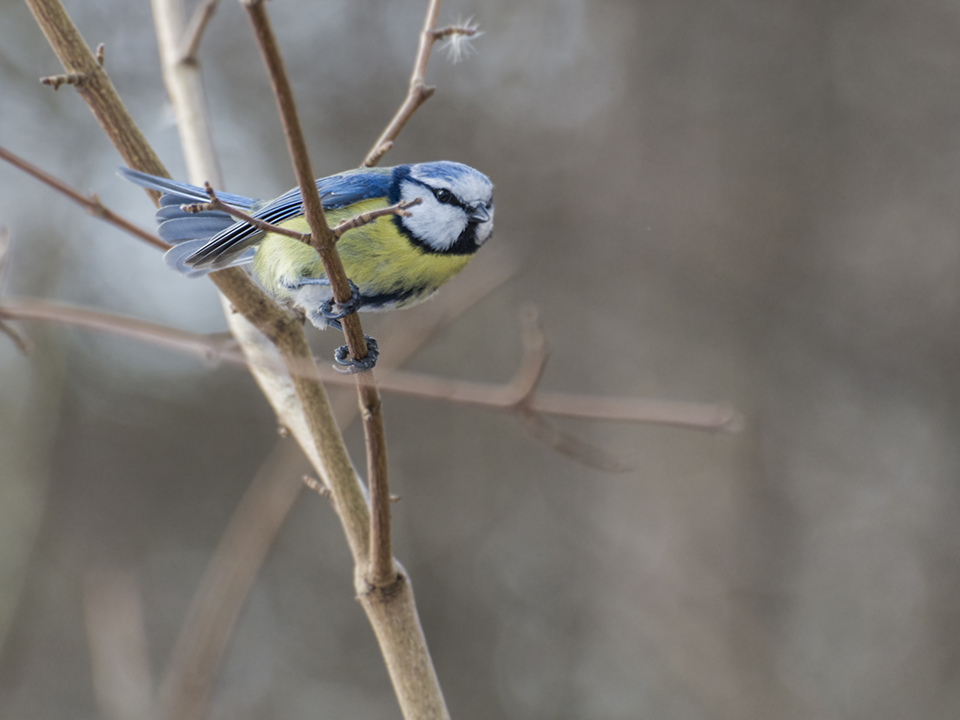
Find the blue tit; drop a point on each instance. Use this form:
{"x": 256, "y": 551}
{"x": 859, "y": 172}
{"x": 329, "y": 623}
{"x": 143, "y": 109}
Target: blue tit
{"x": 393, "y": 262}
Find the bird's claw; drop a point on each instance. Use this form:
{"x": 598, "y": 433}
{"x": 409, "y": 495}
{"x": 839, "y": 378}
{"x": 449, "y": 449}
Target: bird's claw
{"x": 343, "y": 309}
{"x": 351, "y": 366}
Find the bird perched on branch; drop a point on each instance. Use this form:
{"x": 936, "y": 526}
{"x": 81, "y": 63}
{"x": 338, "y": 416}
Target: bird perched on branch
{"x": 393, "y": 261}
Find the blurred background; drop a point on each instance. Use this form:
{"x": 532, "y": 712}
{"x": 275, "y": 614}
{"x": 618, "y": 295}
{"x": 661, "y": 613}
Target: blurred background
{"x": 743, "y": 201}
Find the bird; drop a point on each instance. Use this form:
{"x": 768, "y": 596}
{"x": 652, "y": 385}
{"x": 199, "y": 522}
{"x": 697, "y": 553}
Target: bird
{"x": 392, "y": 262}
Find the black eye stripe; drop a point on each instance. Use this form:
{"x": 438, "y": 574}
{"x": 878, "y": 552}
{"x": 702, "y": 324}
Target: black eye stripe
{"x": 446, "y": 197}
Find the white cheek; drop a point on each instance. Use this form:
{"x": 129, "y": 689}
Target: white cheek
{"x": 434, "y": 223}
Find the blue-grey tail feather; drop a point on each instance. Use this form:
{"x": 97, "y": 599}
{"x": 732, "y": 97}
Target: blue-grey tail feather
{"x": 181, "y": 192}
{"x": 193, "y": 226}
{"x": 189, "y": 232}
{"x": 176, "y": 257}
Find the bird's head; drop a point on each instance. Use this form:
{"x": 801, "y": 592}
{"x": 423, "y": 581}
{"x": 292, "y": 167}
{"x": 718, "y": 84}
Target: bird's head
{"x": 455, "y": 215}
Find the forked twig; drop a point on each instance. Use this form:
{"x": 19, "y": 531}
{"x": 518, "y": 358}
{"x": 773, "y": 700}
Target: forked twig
{"x": 370, "y": 216}
{"x": 418, "y": 92}
{"x": 193, "y": 33}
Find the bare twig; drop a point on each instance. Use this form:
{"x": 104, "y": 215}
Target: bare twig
{"x": 22, "y": 344}
{"x": 574, "y": 447}
{"x": 502, "y": 398}
{"x": 342, "y": 227}
{"x": 417, "y": 92}
{"x": 90, "y": 203}
{"x": 185, "y": 90}
{"x": 534, "y": 359}
{"x": 376, "y": 563}
{"x": 55, "y": 81}
{"x": 366, "y": 218}
{"x": 217, "y": 204}
{"x": 101, "y": 54}
{"x": 383, "y": 590}
{"x": 193, "y": 34}
{"x": 322, "y": 239}
{"x": 96, "y": 90}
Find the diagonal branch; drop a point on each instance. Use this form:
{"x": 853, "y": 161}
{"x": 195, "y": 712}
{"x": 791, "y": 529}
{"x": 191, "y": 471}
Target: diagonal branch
{"x": 193, "y": 33}
{"x": 344, "y": 226}
{"x": 378, "y": 560}
{"x": 217, "y": 204}
{"x": 90, "y": 203}
{"x": 417, "y": 93}
{"x": 383, "y": 589}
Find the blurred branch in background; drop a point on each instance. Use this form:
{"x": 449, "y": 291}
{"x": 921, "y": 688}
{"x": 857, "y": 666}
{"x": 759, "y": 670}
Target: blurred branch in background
{"x": 19, "y": 340}
{"x": 509, "y": 397}
{"x": 113, "y": 614}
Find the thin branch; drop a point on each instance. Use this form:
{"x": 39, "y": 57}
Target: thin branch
{"x": 382, "y": 573}
{"x": 524, "y": 386}
{"x": 185, "y": 89}
{"x": 402, "y": 640}
{"x": 21, "y": 342}
{"x": 573, "y": 447}
{"x": 193, "y": 34}
{"x": 217, "y": 204}
{"x": 368, "y": 217}
{"x": 417, "y": 91}
{"x": 91, "y": 203}
{"x": 342, "y": 227}
{"x": 96, "y": 89}
{"x": 506, "y": 397}
{"x": 322, "y": 239}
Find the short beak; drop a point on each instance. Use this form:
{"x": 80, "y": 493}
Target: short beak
{"x": 478, "y": 213}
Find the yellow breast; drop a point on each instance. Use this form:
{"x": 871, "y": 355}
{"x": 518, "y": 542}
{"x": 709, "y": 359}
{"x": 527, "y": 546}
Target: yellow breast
{"x": 377, "y": 257}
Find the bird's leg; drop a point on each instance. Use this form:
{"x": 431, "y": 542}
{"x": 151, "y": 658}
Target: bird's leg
{"x": 325, "y": 314}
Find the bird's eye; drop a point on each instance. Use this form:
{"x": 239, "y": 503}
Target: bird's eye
{"x": 445, "y": 196}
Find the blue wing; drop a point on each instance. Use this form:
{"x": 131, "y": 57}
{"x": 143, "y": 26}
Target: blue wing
{"x": 213, "y": 240}
{"x": 336, "y": 191}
